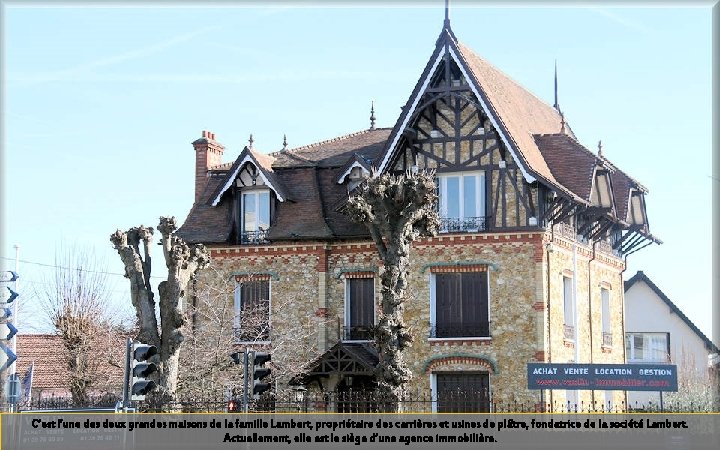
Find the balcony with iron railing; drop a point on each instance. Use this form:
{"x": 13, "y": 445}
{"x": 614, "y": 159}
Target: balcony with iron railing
{"x": 357, "y": 333}
{"x": 254, "y": 237}
{"x": 569, "y": 332}
{"x": 464, "y": 224}
{"x": 459, "y": 330}
{"x": 607, "y": 339}
{"x": 256, "y": 333}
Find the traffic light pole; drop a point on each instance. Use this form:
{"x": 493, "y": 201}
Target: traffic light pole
{"x": 246, "y": 364}
{"x": 126, "y": 381}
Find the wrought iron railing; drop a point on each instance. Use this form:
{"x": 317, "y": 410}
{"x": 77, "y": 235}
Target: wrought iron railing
{"x": 254, "y": 237}
{"x": 357, "y": 333}
{"x": 373, "y": 400}
{"x": 569, "y": 332}
{"x": 463, "y": 225}
{"x": 460, "y": 330}
{"x": 607, "y": 339}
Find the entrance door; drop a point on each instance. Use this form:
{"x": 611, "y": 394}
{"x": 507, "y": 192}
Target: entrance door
{"x": 463, "y": 392}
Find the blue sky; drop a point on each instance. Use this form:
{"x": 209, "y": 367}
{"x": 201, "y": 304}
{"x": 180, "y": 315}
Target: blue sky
{"x": 101, "y": 104}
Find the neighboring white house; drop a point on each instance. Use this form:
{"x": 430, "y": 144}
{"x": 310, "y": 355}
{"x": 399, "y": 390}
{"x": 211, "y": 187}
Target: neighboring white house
{"x": 657, "y": 331}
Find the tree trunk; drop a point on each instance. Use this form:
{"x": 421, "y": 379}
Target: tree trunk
{"x": 183, "y": 262}
{"x": 397, "y": 210}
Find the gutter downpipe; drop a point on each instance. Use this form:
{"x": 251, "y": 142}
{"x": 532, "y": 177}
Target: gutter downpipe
{"x": 592, "y": 392}
{"x": 622, "y": 323}
{"x": 575, "y": 309}
{"x": 548, "y": 250}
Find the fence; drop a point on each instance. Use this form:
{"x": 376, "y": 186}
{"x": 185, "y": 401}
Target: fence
{"x": 366, "y": 401}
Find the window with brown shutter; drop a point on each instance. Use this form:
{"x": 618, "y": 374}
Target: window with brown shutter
{"x": 461, "y": 305}
{"x": 359, "y": 309}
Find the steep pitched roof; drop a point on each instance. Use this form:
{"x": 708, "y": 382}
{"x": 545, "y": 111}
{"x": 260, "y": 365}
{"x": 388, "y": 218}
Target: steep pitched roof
{"x": 205, "y": 223}
{"x": 570, "y": 163}
{"x": 515, "y": 113}
{"x": 640, "y": 276}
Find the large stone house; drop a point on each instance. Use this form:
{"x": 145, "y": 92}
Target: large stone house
{"x": 527, "y": 267}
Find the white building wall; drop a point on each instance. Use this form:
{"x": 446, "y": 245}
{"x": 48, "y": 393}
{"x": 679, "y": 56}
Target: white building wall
{"x": 645, "y": 312}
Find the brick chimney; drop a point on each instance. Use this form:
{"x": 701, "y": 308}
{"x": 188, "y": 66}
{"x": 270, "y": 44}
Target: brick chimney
{"x": 208, "y": 153}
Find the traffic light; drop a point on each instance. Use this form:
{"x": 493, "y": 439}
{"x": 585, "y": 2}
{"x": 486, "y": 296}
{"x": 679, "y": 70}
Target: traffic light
{"x": 259, "y": 372}
{"x": 141, "y": 369}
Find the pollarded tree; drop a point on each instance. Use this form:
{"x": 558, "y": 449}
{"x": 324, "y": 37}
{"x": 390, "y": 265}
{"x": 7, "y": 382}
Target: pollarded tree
{"x": 396, "y": 210}
{"x": 183, "y": 262}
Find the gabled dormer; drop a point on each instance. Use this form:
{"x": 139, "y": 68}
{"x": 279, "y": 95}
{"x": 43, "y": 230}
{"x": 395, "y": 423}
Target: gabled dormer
{"x": 354, "y": 172}
{"x": 255, "y": 190}
{"x": 601, "y": 192}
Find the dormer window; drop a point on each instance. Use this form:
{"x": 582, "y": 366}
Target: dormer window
{"x": 357, "y": 176}
{"x": 601, "y": 194}
{"x": 462, "y": 202}
{"x": 636, "y": 212}
{"x": 255, "y": 216}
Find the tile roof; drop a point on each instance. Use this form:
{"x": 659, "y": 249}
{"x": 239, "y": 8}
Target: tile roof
{"x": 640, "y": 276}
{"x": 48, "y": 353}
{"x": 571, "y": 164}
{"x": 521, "y": 112}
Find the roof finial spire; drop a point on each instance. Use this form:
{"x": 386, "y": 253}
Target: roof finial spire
{"x": 600, "y": 148}
{"x": 447, "y": 13}
{"x": 556, "y": 106}
{"x": 250, "y": 141}
{"x": 284, "y": 141}
{"x": 372, "y": 114}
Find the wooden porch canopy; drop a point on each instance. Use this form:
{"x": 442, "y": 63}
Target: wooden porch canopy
{"x": 341, "y": 359}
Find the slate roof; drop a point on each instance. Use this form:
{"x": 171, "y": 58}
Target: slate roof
{"x": 308, "y": 176}
{"x": 640, "y": 276}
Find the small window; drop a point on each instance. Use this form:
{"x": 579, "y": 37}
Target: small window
{"x": 647, "y": 347}
{"x": 461, "y": 392}
{"x": 568, "y": 309}
{"x": 459, "y": 305}
{"x": 252, "y": 311}
{"x": 359, "y": 309}
{"x": 606, "y": 323}
{"x": 462, "y": 202}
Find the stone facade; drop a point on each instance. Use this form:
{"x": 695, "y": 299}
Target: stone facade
{"x": 308, "y": 301}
